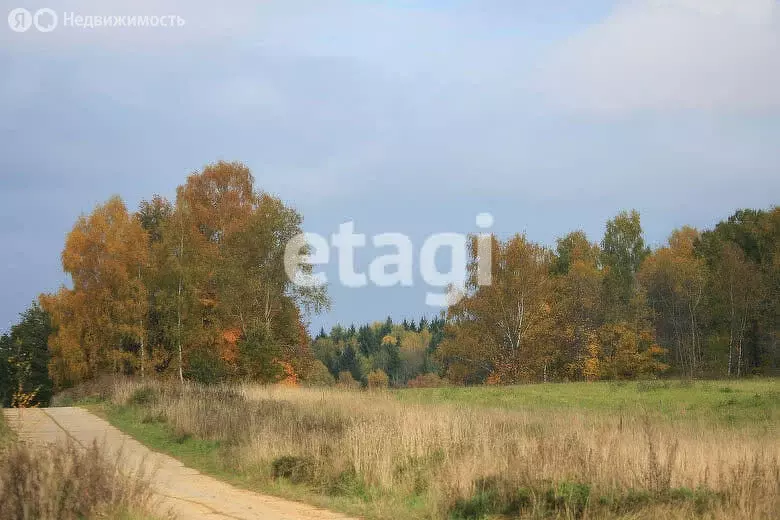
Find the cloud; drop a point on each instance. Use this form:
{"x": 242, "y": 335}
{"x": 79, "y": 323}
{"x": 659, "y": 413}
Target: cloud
{"x": 666, "y": 55}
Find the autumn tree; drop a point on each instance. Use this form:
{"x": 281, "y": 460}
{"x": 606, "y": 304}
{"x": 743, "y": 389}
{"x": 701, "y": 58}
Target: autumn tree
{"x": 153, "y": 215}
{"x": 224, "y": 295}
{"x": 675, "y": 280}
{"x": 155, "y": 218}
{"x": 577, "y": 303}
{"x": 377, "y": 379}
{"x": 504, "y": 329}
{"x": 99, "y": 321}
{"x": 623, "y": 353}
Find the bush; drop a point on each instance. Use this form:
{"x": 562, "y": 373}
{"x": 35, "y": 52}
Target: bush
{"x": 258, "y": 357}
{"x": 348, "y": 483}
{"x": 319, "y": 375}
{"x": 429, "y": 380}
{"x": 377, "y": 379}
{"x": 492, "y": 496}
{"x": 98, "y": 389}
{"x": 347, "y": 381}
{"x": 205, "y": 367}
{"x": 569, "y": 497}
{"x": 144, "y": 395}
{"x": 298, "y": 470}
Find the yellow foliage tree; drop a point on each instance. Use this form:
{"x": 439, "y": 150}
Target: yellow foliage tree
{"x": 377, "y": 379}
{"x": 100, "y": 320}
{"x": 675, "y": 279}
{"x": 503, "y": 330}
{"x": 591, "y": 369}
{"x": 626, "y": 353}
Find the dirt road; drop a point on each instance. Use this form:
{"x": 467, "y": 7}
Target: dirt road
{"x": 178, "y": 489}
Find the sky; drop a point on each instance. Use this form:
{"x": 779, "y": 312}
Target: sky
{"x": 405, "y": 116}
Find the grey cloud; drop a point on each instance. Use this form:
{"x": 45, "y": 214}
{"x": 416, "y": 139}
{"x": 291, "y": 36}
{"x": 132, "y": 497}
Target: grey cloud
{"x": 656, "y": 55}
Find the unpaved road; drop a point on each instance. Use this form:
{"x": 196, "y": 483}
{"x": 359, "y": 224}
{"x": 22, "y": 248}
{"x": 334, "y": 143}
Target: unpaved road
{"x": 178, "y": 489}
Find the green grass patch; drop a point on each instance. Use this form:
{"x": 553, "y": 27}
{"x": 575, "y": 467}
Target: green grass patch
{"x": 742, "y": 402}
{"x": 159, "y": 436}
{"x": 494, "y": 497}
{"x": 7, "y": 435}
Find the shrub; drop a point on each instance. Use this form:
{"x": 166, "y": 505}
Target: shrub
{"x": 492, "y": 496}
{"x": 348, "y": 483}
{"x": 98, "y": 389}
{"x": 143, "y": 396}
{"x": 377, "y": 379}
{"x": 429, "y": 380}
{"x": 346, "y": 380}
{"x": 319, "y": 375}
{"x": 258, "y": 355}
{"x": 205, "y": 367}
{"x": 298, "y": 470}
{"x": 569, "y": 497}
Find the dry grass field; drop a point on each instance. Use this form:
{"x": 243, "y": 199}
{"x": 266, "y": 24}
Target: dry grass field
{"x": 64, "y": 482}
{"x": 396, "y": 455}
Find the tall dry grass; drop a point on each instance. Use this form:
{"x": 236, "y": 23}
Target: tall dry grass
{"x": 465, "y": 462}
{"x": 64, "y": 481}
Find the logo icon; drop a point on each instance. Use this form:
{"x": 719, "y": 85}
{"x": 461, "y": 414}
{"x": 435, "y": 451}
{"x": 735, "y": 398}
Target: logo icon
{"x": 20, "y": 19}
{"x": 45, "y": 20}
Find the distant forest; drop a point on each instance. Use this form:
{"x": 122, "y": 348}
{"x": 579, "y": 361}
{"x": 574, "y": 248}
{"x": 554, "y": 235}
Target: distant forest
{"x": 704, "y": 305}
{"x": 195, "y": 289}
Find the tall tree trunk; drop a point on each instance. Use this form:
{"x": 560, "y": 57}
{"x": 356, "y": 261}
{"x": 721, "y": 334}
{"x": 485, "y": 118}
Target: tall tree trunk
{"x": 739, "y": 344}
{"x": 141, "y": 329}
{"x": 178, "y": 299}
{"x": 178, "y": 333}
{"x": 731, "y": 326}
{"x": 143, "y": 356}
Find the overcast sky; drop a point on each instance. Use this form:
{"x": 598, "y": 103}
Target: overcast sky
{"x": 404, "y": 116}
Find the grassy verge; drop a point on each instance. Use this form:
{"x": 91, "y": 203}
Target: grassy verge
{"x": 7, "y": 435}
{"x": 547, "y": 451}
{"x": 217, "y": 459}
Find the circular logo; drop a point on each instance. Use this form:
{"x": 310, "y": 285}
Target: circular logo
{"x": 45, "y": 20}
{"x": 19, "y": 19}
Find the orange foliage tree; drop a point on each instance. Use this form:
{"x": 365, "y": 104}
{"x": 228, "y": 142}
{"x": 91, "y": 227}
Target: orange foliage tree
{"x": 99, "y": 321}
{"x": 229, "y": 300}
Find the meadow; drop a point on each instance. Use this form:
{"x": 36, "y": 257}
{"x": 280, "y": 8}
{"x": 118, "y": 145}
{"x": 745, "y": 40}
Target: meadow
{"x": 600, "y": 450}
{"x": 753, "y": 402}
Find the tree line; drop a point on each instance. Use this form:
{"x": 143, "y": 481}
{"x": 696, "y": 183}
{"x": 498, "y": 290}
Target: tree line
{"x": 398, "y": 353}
{"x": 703, "y": 305}
{"x": 196, "y": 288}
